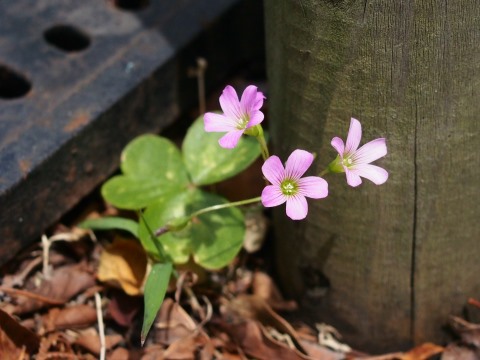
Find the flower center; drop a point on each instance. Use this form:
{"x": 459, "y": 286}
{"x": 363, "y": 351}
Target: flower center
{"x": 289, "y": 187}
{"x": 242, "y": 122}
{"x": 347, "y": 162}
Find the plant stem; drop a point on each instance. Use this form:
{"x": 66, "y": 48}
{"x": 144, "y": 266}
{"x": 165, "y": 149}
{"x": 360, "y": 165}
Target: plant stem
{"x": 224, "y": 206}
{"x": 263, "y": 146}
{"x": 167, "y": 258}
{"x": 161, "y": 251}
{"x": 324, "y": 172}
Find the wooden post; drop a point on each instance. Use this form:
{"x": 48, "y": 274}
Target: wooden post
{"x": 397, "y": 259}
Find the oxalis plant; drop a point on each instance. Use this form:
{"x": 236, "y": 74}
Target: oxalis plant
{"x": 178, "y": 219}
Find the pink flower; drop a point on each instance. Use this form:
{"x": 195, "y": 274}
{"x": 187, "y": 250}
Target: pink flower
{"x": 237, "y": 116}
{"x": 289, "y": 186}
{"x": 356, "y": 162}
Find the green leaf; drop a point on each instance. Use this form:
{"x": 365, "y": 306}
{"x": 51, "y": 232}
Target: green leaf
{"x": 208, "y": 163}
{"x": 155, "y": 289}
{"x": 213, "y": 239}
{"x": 156, "y": 216}
{"x": 126, "y": 192}
{"x": 111, "y": 222}
{"x": 152, "y": 167}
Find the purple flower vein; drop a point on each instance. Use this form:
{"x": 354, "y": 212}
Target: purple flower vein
{"x": 287, "y": 184}
{"x": 238, "y": 115}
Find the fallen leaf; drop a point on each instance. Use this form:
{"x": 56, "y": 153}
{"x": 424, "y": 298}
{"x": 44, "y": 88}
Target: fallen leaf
{"x": 90, "y": 340}
{"x": 255, "y": 308}
{"x": 254, "y": 341}
{"x": 422, "y": 352}
{"x": 73, "y": 317}
{"x": 468, "y": 332}
{"x": 316, "y": 351}
{"x": 15, "y": 339}
{"x": 54, "y": 342}
{"x": 119, "y": 354}
{"x": 264, "y": 287}
{"x": 65, "y": 282}
{"x": 188, "y": 347}
{"x": 172, "y": 323}
{"x": 153, "y": 352}
{"x": 122, "y": 307}
{"x": 455, "y": 352}
{"x": 123, "y": 264}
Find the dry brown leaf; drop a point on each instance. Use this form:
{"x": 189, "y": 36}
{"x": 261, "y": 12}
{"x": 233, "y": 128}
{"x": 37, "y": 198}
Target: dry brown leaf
{"x": 390, "y": 356}
{"x": 24, "y": 270}
{"x": 252, "y": 338}
{"x": 119, "y": 354}
{"x": 255, "y": 308}
{"x": 172, "y": 323}
{"x": 474, "y": 302}
{"x": 455, "y": 352}
{"x": 55, "y": 343}
{"x": 154, "y": 352}
{"x": 422, "y": 352}
{"x": 122, "y": 307}
{"x": 188, "y": 347}
{"x": 90, "y": 340}
{"x": 468, "y": 332}
{"x": 264, "y": 287}
{"x": 123, "y": 354}
{"x": 316, "y": 351}
{"x": 229, "y": 356}
{"x": 16, "y": 341}
{"x": 65, "y": 282}
{"x": 73, "y": 317}
{"x": 123, "y": 264}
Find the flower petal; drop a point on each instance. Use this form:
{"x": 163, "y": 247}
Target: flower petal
{"x": 249, "y": 99}
{"x": 297, "y": 207}
{"x": 313, "y": 187}
{"x": 272, "y": 196}
{"x": 255, "y": 118}
{"x": 354, "y": 136}
{"x": 230, "y": 139}
{"x": 298, "y": 163}
{"x": 369, "y": 152}
{"x": 353, "y": 179}
{"x": 218, "y": 123}
{"x": 230, "y": 104}
{"x": 375, "y": 174}
{"x": 259, "y": 101}
{"x": 273, "y": 170}
{"x": 337, "y": 143}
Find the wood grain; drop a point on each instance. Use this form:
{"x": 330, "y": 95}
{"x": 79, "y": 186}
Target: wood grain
{"x": 401, "y": 257}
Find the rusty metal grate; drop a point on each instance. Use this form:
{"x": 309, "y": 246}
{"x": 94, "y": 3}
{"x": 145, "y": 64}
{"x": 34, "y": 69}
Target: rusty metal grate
{"x": 78, "y": 80}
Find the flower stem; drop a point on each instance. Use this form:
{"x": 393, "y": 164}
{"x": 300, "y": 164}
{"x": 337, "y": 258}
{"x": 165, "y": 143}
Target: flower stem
{"x": 224, "y": 206}
{"x": 263, "y": 144}
{"x": 324, "y": 172}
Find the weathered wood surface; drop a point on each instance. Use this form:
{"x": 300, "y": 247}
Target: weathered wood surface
{"x": 399, "y": 258}
{"x": 62, "y": 137}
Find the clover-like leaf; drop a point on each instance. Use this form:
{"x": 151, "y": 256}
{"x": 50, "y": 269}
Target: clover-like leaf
{"x": 157, "y": 215}
{"x": 209, "y": 163}
{"x": 213, "y": 238}
{"x": 111, "y": 222}
{"x": 152, "y": 167}
{"x": 155, "y": 289}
